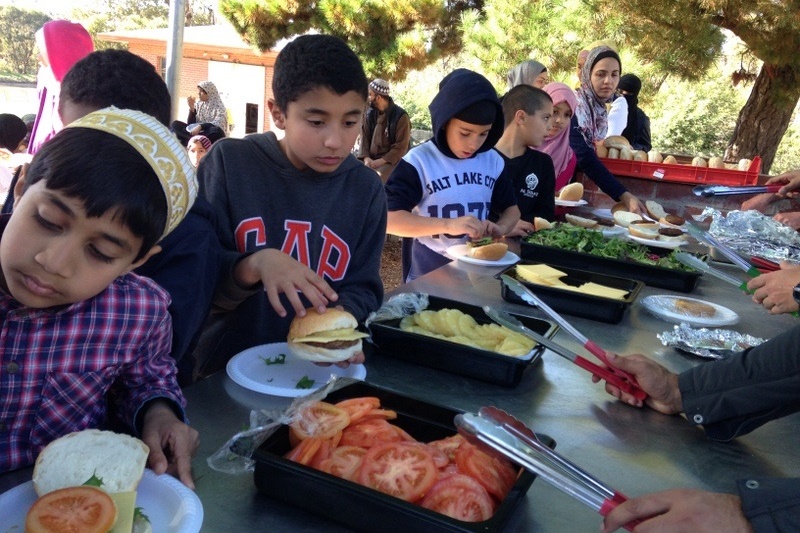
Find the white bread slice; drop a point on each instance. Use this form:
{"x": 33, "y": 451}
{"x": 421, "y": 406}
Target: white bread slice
{"x": 581, "y": 222}
{"x": 624, "y": 218}
{"x": 647, "y": 230}
{"x": 71, "y": 460}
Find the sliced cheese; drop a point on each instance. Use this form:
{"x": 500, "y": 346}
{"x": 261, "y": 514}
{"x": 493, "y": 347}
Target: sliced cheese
{"x": 126, "y": 503}
{"x": 601, "y": 290}
{"x": 333, "y": 335}
{"x": 540, "y": 274}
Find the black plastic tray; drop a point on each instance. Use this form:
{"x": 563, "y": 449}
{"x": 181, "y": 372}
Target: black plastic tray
{"x": 575, "y": 303}
{"x": 388, "y": 339}
{"x": 655, "y": 276}
{"x": 360, "y": 507}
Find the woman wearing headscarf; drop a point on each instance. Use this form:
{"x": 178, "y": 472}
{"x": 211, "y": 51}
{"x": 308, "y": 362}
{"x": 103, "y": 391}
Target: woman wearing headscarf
{"x": 557, "y": 142}
{"x": 599, "y": 79}
{"x": 61, "y": 44}
{"x": 528, "y": 72}
{"x": 207, "y": 115}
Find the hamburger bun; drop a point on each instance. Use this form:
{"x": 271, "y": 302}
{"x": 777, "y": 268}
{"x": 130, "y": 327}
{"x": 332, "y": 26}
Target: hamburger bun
{"x": 644, "y": 230}
{"x": 699, "y": 162}
{"x": 624, "y": 218}
{"x": 587, "y": 223}
{"x": 327, "y": 337}
{"x": 716, "y": 162}
{"x": 671, "y": 235}
{"x": 670, "y": 160}
{"x": 71, "y": 460}
{"x": 488, "y": 252}
{"x": 654, "y": 157}
{"x": 616, "y": 141}
{"x": 540, "y": 223}
{"x": 655, "y": 210}
{"x": 601, "y": 150}
{"x": 613, "y": 153}
{"x": 619, "y": 206}
{"x": 640, "y": 155}
{"x": 626, "y": 153}
{"x": 744, "y": 164}
{"x": 571, "y": 193}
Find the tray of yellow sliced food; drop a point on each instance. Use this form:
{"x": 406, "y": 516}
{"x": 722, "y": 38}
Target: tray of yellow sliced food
{"x": 575, "y": 292}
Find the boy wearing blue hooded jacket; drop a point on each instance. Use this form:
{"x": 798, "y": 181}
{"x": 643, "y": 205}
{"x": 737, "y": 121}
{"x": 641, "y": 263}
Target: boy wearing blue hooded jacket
{"x": 442, "y": 191}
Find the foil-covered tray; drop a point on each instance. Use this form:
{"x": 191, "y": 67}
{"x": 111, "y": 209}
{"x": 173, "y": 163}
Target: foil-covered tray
{"x": 708, "y": 343}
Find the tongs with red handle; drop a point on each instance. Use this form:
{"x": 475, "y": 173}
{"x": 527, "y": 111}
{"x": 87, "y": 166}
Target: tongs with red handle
{"x": 764, "y": 265}
{"x": 627, "y": 379}
{"x": 505, "y": 434}
{"x": 505, "y": 319}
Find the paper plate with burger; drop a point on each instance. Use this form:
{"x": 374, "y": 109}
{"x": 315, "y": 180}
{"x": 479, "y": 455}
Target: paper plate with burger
{"x": 289, "y": 368}
{"x": 104, "y": 472}
{"x": 486, "y": 252}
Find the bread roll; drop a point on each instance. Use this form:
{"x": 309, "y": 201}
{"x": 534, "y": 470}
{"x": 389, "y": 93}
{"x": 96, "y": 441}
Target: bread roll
{"x": 489, "y": 252}
{"x": 670, "y": 160}
{"x": 654, "y": 157}
{"x": 540, "y": 223}
{"x": 672, "y": 221}
{"x": 640, "y": 155}
{"x": 581, "y": 222}
{"x": 699, "y": 162}
{"x": 655, "y": 210}
{"x": 601, "y": 150}
{"x": 616, "y": 141}
{"x": 624, "y": 218}
{"x": 613, "y": 153}
{"x": 619, "y": 206}
{"x": 744, "y": 164}
{"x": 644, "y": 230}
{"x": 626, "y": 153}
{"x": 74, "y": 458}
{"x": 572, "y": 192}
{"x": 716, "y": 162}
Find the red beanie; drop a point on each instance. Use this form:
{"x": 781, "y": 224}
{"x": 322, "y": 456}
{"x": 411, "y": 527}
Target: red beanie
{"x": 67, "y": 43}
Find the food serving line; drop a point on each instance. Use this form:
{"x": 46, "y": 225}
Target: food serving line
{"x": 636, "y": 451}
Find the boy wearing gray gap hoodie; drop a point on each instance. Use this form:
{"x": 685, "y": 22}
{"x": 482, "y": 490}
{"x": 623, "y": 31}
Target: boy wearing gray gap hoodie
{"x": 303, "y": 222}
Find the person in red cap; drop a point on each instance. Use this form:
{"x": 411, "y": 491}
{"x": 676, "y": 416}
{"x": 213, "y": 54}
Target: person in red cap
{"x": 61, "y": 44}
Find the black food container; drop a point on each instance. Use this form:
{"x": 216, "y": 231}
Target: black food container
{"x": 575, "y": 303}
{"x": 388, "y": 339}
{"x": 362, "y": 508}
{"x": 655, "y": 276}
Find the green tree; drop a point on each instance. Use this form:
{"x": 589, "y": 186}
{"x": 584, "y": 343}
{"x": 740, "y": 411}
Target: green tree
{"x": 17, "y": 41}
{"x": 692, "y": 32}
{"x": 392, "y": 38}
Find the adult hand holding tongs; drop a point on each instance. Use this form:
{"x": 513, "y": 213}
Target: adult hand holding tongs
{"x": 616, "y": 377}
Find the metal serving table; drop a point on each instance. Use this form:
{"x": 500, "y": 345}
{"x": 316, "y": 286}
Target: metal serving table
{"x": 637, "y": 451}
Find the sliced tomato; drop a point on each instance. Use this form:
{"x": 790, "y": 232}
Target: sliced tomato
{"x": 403, "y": 434}
{"x": 440, "y": 459}
{"x": 461, "y": 497}
{"x": 344, "y": 462}
{"x": 304, "y": 452}
{"x": 81, "y": 509}
{"x": 369, "y": 432}
{"x": 320, "y": 419}
{"x": 400, "y": 469}
{"x": 449, "y": 445}
{"x": 496, "y": 475}
{"x": 386, "y": 414}
{"x": 358, "y": 407}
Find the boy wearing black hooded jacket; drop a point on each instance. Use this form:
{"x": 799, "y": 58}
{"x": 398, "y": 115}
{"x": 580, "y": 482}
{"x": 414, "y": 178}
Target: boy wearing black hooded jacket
{"x": 442, "y": 191}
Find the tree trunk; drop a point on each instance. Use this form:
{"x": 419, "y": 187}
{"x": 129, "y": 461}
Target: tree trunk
{"x": 766, "y": 115}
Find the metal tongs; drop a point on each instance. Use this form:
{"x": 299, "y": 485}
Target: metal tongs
{"x": 727, "y": 190}
{"x": 619, "y": 378}
{"x": 710, "y": 240}
{"x": 507, "y": 435}
{"x": 698, "y": 264}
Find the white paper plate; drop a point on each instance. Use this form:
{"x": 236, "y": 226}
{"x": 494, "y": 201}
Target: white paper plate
{"x": 459, "y": 251}
{"x": 170, "y": 505}
{"x": 250, "y": 370}
{"x": 663, "y": 306}
{"x": 571, "y": 203}
{"x": 613, "y": 231}
{"x": 670, "y": 245}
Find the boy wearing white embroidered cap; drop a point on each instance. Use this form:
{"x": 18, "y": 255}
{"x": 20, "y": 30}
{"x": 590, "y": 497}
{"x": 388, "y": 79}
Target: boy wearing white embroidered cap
{"x": 78, "y": 324}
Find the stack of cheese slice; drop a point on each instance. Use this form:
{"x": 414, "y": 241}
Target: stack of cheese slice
{"x": 548, "y": 276}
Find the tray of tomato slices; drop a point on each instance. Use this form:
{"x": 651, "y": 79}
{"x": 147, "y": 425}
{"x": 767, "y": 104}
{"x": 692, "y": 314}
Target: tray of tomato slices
{"x": 371, "y": 458}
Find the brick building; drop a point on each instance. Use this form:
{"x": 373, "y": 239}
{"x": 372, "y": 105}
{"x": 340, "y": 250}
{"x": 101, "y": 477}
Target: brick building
{"x": 243, "y": 75}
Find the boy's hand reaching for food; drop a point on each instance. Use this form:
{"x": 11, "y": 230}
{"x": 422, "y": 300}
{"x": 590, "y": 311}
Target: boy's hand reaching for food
{"x": 172, "y": 443}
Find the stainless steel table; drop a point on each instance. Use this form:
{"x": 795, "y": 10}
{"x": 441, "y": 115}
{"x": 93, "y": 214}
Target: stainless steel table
{"x": 634, "y": 450}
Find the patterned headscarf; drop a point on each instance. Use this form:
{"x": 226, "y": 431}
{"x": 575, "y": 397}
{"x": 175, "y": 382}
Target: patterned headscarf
{"x": 524, "y": 73}
{"x": 212, "y": 110}
{"x": 159, "y": 147}
{"x": 591, "y": 112}
{"x": 558, "y": 146}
